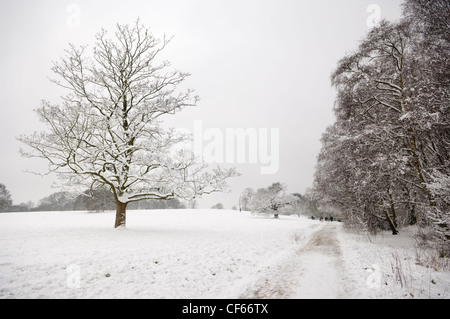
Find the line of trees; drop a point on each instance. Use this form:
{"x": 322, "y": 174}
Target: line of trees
{"x": 385, "y": 161}
{"x": 95, "y": 200}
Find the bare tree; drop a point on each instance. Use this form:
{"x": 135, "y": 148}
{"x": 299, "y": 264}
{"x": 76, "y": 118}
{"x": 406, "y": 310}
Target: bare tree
{"x": 218, "y": 206}
{"x": 107, "y": 131}
{"x": 273, "y": 200}
{"x": 245, "y": 199}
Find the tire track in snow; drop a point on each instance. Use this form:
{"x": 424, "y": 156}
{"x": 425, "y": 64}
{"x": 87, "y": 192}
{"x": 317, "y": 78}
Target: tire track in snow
{"x": 315, "y": 271}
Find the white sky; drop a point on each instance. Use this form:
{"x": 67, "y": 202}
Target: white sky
{"x": 254, "y": 64}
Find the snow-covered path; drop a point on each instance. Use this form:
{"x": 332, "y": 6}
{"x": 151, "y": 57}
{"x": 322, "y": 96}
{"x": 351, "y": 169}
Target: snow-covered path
{"x": 315, "y": 270}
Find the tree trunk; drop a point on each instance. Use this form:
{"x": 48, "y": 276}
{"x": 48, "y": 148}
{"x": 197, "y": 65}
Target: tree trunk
{"x": 121, "y": 211}
{"x": 412, "y": 217}
{"x": 393, "y": 217}
{"x": 392, "y": 225}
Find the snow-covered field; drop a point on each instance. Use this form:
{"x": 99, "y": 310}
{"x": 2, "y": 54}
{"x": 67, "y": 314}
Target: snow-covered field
{"x": 204, "y": 254}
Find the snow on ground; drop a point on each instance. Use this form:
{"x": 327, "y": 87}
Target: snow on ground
{"x": 161, "y": 254}
{"x": 387, "y": 266}
{"x": 314, "y": 270}
{"x": 203, "y": 254}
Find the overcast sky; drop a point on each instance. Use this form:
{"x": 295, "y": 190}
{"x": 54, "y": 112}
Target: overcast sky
{"x": 256, "y": 64}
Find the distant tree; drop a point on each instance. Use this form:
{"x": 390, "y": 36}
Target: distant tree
{"x": 95, "y": 200}
{"x": 273, "y": 200}
{"x": 59, "y": 201}
{"x": 300, "y": 204}
{"x": 217, "y": 206}
{"x": 5, "y": 199}
{"x": 245, "y": 199}
{"x": 192, "y": 204}
{"x": 174, "y": 203}
{"x": 107, "y": 130}
{"x": 23, "y": 207}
